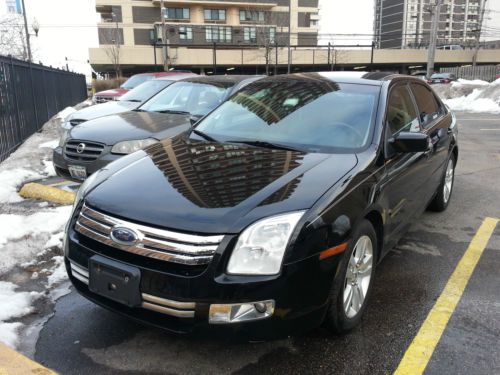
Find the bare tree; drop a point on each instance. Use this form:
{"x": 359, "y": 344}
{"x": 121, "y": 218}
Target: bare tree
{"x": 13, "y": 37}
{"x": 112, "y": 39}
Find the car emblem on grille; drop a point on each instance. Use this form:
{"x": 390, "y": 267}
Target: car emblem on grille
{"x": 80, "y": 148}
{"x": 124, "y": 236}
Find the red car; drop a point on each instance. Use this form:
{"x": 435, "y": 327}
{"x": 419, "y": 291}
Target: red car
{"x": 129, "y": 84}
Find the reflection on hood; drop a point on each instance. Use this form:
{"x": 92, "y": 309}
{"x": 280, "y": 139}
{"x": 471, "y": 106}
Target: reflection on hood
{"x": 298, "y": 89}
{"x": 214, "y": 175}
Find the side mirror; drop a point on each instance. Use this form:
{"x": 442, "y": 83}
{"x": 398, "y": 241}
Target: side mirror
{"x": 410, "y": 142}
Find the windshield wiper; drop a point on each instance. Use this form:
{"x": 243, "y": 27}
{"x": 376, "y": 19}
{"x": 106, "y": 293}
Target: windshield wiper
{"x": 265, "y": 144}
{"x": 133, "y": 100}
{"x": 174, "y": 112}
{"x": 204, "y": 135}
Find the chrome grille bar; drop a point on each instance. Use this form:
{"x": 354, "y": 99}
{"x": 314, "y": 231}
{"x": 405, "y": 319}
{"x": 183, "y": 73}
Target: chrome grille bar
{"x": 154, "y": 243}
{"x": 149, "y": 301}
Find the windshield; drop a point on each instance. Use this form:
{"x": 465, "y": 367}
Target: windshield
{"x": 440, "y": 75}
{"x": 190, "y": 97}
{"x": 136, "y": 81}
{"x": 145, "y": 90}
{"x": 306, "y": 112}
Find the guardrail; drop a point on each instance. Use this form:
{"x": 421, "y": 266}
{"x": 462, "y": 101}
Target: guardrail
{"x": 30, "y": 94}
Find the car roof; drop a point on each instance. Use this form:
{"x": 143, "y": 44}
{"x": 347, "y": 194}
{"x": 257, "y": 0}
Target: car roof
{"x": 220, "y": 80}
{"x": 363, "y": 78}
{"x": 177, "y": 77}
{"x": 162, "y": 74}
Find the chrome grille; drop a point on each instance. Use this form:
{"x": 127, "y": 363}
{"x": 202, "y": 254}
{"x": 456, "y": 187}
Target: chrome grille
{"x": 149, "y": 301}
{"x": 89, "y": 152}
{"x": 154, "y": 243}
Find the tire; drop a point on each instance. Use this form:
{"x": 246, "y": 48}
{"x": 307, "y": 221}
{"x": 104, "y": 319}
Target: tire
{"x": 342, "y": 317}
{"x": 443, "y": 194}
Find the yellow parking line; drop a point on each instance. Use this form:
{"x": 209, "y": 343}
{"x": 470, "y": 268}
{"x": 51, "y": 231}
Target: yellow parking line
{"x": 13, "y": 363}
{"x": 420, "y": 350}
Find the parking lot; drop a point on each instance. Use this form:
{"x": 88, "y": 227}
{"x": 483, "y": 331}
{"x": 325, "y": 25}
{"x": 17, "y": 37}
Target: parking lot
{"x": 82, "y": 338}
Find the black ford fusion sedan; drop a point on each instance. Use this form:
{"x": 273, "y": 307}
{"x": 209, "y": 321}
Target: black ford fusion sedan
{"x": 270, "y": 215}
{"x": 91, "y": 145}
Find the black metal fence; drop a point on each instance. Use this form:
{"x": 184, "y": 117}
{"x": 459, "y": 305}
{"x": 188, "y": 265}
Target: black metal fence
{"x": 30, "y": 94}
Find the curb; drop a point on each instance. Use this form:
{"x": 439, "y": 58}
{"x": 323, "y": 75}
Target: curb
{"x": 52, "y": 194}
{"x": 14, "y": 363}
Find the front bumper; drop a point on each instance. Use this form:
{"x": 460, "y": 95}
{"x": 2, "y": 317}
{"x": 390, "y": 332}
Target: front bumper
{"x": 61, "y": 164}
{"x": 300, "y": 291}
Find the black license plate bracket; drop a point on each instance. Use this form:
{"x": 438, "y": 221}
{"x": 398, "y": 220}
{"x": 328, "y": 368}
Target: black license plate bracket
{"x": 115, "y": 280}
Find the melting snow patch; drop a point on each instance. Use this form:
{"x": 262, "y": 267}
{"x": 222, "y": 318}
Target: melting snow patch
{"x": 14, "y": 305}
{"x": 37, "y": 231}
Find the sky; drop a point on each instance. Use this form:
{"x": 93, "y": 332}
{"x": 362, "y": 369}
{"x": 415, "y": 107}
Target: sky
{"x": 68, "y": 27}
{"x": 346, "y": 17}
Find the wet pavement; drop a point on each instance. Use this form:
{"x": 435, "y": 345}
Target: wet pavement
{"x": 82, "y": 338}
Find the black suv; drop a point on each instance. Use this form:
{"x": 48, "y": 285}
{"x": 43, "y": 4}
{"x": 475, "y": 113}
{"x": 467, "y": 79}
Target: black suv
{"x": 270, "y": 215}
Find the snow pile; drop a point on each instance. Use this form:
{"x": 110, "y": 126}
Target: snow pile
{"x": 65, "y": 113}
{"x": 50, "y": 144}
{"x": 10, "y": 180}
{"x": 14, "y": 305}
{"x": 23, "y": 237}
{"x": 483, "y": 97}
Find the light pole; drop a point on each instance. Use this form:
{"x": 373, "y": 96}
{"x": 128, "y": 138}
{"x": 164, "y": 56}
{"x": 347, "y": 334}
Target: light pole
{"x": 431, "y": 53}
{"x": 28, "y": 44}
{"x": 164, "y": 35}
{"x": 289, "y": 34}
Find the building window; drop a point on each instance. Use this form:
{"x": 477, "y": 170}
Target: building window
{"x": 185, "y": 33}
{"x": 218, "y": 34}
{"x": 252, "y": 15}
{"x": 215, "y": 14}
{"x": 250, "y": 34}
{"x": 177, "y": 13}
{"x": 272, "y": 35}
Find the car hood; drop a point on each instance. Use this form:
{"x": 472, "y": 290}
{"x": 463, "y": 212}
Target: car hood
{"x": 113, "y": 92}
{"x": 130, "y": 125}
{"x": 206, "y": 187}
{"x": 104, "y": 109}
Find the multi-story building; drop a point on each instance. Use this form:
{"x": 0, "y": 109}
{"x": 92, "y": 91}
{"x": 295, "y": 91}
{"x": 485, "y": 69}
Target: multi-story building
{"x": 193, "y": 26}
{"x": 407, "y": 23}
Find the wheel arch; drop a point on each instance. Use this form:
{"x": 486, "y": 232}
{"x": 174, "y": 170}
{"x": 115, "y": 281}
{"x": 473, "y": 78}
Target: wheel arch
{"x": 375, "y": 218}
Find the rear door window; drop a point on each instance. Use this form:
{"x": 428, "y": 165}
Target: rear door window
{"x": 428, "y": 107}
{"x": 401, "y": 112}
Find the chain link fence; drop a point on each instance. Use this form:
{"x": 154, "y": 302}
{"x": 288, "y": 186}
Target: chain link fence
{"x": 483, "y": 72}
{"x": 30, "y": 94}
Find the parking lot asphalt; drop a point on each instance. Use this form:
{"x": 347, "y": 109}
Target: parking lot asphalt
{"x": 82, "y": 338}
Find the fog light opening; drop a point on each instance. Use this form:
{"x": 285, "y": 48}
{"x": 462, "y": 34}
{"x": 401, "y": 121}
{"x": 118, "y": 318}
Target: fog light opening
{"x": 240, "y": 312}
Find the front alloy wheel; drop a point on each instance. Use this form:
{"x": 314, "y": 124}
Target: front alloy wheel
{"x": 352, "y": 284}
{"x": 358, "y": 276}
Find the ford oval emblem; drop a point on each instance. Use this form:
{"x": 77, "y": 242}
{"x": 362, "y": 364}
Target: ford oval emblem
{"x": 124, "y": 236}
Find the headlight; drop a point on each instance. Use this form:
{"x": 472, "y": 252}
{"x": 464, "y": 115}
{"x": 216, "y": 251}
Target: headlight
{"x": 127, "y": 147}
{"x": 261, "y": 246}
{"x": 64, "y": 138}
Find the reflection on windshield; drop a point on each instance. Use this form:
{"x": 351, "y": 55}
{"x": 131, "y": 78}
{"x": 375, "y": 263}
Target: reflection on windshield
{"x": 135, "y": 81}
{"x": 214, "y": 175}
{"x": 145, "y": 90}
{"x": 304, "y": 111}
{"x": 273, "y": 101}
{"x": 191, "y": 97}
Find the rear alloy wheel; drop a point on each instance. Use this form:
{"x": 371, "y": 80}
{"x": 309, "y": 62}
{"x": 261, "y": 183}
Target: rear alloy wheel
{"x": 352, "y": 285}
{"x": 443, "y": 194}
